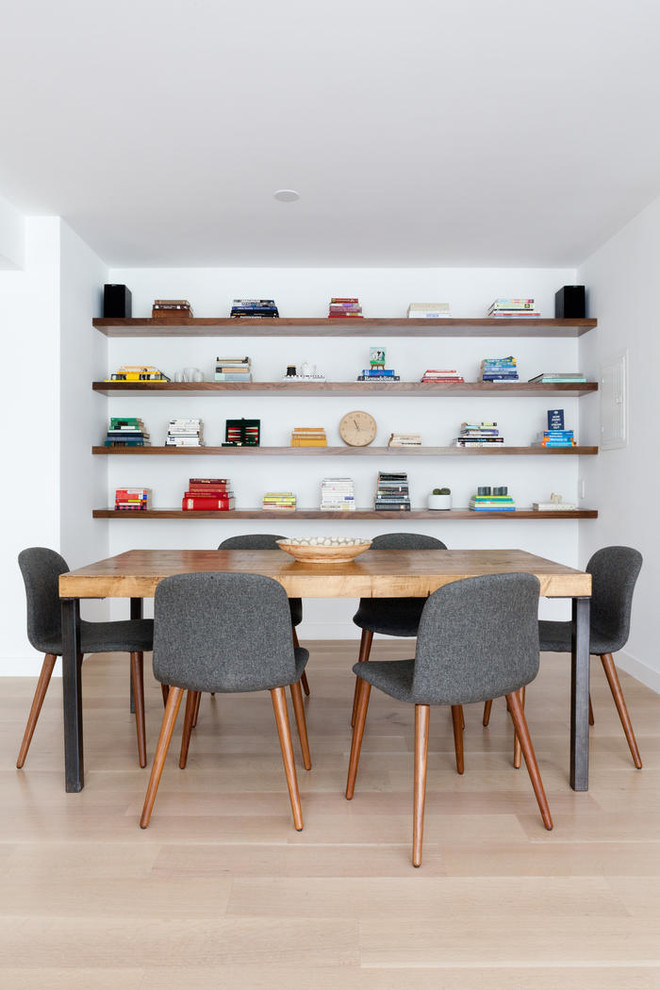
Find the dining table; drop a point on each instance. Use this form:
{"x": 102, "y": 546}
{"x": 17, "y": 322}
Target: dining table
{"x": 135, "y": 575}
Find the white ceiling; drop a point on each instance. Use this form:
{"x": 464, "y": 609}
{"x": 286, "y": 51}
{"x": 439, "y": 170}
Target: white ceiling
{"x": 476, "y": 132}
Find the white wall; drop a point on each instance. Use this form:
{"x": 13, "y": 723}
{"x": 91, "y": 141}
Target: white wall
{"x": 383, "y": 292}
{"x": 622, "y": 278}
{"x": 12, "y": 236}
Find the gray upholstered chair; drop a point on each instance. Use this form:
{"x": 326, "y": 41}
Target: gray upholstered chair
{"x": 478, "y": 638}
{"x": 391, "y": 616}
{"x": 614, "y": 572}
{"x": 41, "y": 569}
{"x": 226, "y": 633}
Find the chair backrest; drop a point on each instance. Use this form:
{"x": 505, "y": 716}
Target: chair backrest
{"x": 41, "y": 569}
{"x": 478, "y": 639}
{"x": 251, "y": 541}
{"x": 222, "y": 632}
{"x": 406, "y": 541}
{"x": 614, "y": 572}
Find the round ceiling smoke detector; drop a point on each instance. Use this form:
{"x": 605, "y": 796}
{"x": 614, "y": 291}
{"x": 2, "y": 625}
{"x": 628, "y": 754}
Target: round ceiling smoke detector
{"x": 287, "y": 195}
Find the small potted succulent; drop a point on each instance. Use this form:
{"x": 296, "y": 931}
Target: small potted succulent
{"x": 440, "y": 498}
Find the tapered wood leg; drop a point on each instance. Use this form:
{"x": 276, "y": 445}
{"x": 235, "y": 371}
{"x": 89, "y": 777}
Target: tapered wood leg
{"x": 164, "y": 690}
{"x": 299, "y": 711}
{"x": 363, "y": 693}
{"x": 607, "y": 661}
{"x": 137, "y": 680}
{"x": 191, "y": 703}
{"x": 488, "y": 705}
{"x": 522, "y": 733}
{"x": 457, "y": 719}
{"x": 366, "y": 640}
{"x": 37, "y": 702}
{"x": 198, "y": 701}
{"x": 422, "y": 714}
{"x": 167, "y": 728}
{"x": 284, "y": 732}
{"x": 591, "y": 712}
{"x": 517, "y": 752}
{"x": 303, "y": 676}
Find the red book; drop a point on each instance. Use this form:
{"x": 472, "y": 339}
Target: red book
{"x": 208, "y": 490}
{"x": 207, "y": 503}
{"x": 208, "y": 481}
{"x": 344, "y": 299}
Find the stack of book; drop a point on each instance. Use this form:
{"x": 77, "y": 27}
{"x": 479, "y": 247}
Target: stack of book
{"x": 253, "y": 309}
{"x": 428, "y": 311}
{"x": 283, "y": 501}
{"x": 133, "y": 499}
{"x": 233, "y": 369}
{"x": 171, "y": 309}
{"x": 208, "y": 494}
{"x": 479, "y": 435}
{"x": 550, "y": 377}
{"x": 392, "y": 492}
{"x": 513, "y": 309}
{"x": 126, "y": 432}
{"x": 184, "y": 433}
{"x": 309, "y": 436}
{"x": 405, "y": 440}
{"x": 378, "y": 375}
{"x": 499, "y": 369}
{"x": 442, "y": 375}
{"x": 338, "y": 495}
{"x": 492, "y": 503}
{"x": 556, "y": 504}
{"x": 343, "y": 308}
{"x": 556, "y": 438}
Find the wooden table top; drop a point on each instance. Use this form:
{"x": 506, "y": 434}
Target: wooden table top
{"x": 374, "y": 574}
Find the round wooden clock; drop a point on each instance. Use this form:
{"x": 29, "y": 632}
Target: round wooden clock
{"x": 357, "y": 429}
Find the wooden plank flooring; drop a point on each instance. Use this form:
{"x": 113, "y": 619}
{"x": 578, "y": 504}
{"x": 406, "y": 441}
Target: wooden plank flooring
{"x": 221, "y": 892}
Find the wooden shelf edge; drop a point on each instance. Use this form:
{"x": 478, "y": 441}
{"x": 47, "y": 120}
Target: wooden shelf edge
{"x": 445, "y": 514}
{"x": 419, "y": 389}
{"x": 344, "y": 451}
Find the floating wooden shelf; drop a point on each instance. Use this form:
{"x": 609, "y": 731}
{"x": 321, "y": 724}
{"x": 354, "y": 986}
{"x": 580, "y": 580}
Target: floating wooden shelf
{"x": 441, "y": 514}
{"x": 398, "y": 327}
{"x": 493, "y": 451}
{"x": 419, "y": 389}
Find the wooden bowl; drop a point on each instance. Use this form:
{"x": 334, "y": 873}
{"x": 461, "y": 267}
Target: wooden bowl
{"x": 318, "y": 553}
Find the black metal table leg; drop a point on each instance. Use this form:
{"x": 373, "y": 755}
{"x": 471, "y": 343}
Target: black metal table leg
{"x": 580, "y": 695}
{"x": 74, "y": 764}
{"x": 136, "y": 613}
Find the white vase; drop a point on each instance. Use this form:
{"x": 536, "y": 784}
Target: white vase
{"x": 439, "y": 501}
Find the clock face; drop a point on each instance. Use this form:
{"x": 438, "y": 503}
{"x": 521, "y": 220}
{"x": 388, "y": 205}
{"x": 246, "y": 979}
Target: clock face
{"x": 357, "y": 429}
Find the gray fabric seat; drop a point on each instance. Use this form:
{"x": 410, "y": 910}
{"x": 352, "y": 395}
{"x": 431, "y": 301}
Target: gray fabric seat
{"x": 477, "y": 639}
{"x": 226, "y": 633}
{"x": 41, "y": 569}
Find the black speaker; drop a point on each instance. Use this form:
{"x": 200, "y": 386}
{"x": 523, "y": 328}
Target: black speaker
{"x": 116, "y": 302}
{"x": 570, "y": 303}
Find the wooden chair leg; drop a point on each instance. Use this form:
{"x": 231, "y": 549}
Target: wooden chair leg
{"x": 607, "y": 661}
{"x": 35, "y": 709}
{"x": 284, "y": 732}
{"x": 457, "y": 719}
{"x": 137, "y": 680}
{"x": 198, "y": 701}
{"x": 488, "y": 705}
{"x": 191, "y": 703}
{"x": 164, "y": 689}
{"x": 363, "y": 693}
{"x": 174, "y": 697}
{"x": 591, "y": 712}
{"x": 366, "y": 640}
{"x": 299, "y": 711}
{"x": 517, "y": 752}
{"x": 303, "y": 677}
{"x": 522, "y": 733}
{"x": 422, "y": 713}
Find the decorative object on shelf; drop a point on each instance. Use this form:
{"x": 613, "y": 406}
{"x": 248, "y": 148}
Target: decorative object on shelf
{"x": 392, "y": 492}
{"x": 242, "y": 433}
{"x": 308, "y": 373}
{"x": 117, "y": 302}
{"x": 484, "y": 434}
{"x": 491, "y": 501}
{"x": 442, "y": 375}
{"x": 570, "y": 303}
{"x": 513, "y": 309}
{"x": 291, "y": 371}
{"x": 254, "y": 309}
{"x": 377, "y": 358}
{"x": 132, "y": 499}
{"x": 555, "y": 436}
{"x": 189, "y": 375}
{"x": 309, "y": 436}
{"x": 499, "y": 369}
{"x": 184, "y": 433}
{"x": 558, "y": 377}
{"x": 171, "y": 309}
{"x": 138, "y": 373}
{"x": 282, "y": 501}
{"x": 127, "y": 432}
{"x": 345, "y": 308}
{"x": 555, "y": 419}
{"x": 208, "y": 494}
{"x": 357, "y": 428}
{"x": 325, "y": 549}
{"x": 377, "y": 372}
{"x": 405, "y": 440}
{"x": 440, "y": 498}
{"x": 337, "y": 495}
{"x": 428, "y": 311}
{"x": 233, "y": 369}
{"x": 556, "y": 504}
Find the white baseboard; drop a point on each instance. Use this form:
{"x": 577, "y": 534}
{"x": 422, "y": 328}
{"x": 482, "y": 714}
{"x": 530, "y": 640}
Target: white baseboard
{"x": 640, "y": 671}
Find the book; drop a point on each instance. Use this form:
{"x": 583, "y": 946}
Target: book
{"x": 207, "y": 504}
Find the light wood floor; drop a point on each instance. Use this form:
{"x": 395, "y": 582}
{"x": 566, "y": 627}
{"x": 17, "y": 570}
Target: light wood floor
{"x": 221, "y": 892}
